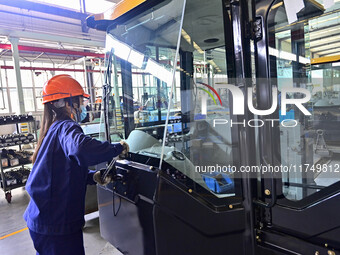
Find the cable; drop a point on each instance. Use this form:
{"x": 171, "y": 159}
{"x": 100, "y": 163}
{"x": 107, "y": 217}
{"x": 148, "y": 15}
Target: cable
{"x": 115, "y": 213}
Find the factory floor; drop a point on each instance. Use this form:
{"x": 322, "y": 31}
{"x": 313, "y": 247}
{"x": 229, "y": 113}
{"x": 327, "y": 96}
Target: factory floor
{"x": 15, "y": 238}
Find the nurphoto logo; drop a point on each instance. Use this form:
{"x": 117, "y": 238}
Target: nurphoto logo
{"x": 239, "y": 103}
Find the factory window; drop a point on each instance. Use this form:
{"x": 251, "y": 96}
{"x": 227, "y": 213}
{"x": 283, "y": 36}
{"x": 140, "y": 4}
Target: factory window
{"x": 3, "y": 101}
{"x": 26, "y": 78}
{"x": 14, "y": 100}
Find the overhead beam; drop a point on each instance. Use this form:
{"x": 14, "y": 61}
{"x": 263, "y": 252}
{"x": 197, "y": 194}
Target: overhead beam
{"x": 50, "y": 50}
{"x": 36, "y": 16}
{"x": 60, "y": 69}
{"x": 321, "y": 39}
{"x": 40, "y": 7}
{"x": 326, "y": 28}
{"x": 321, "y": 30}
{"x": 324, "y": 52}
{"x": 328, "y": 43}
{"x": 52, "y": 38}
{"x": 34, "y": 68}
{"x": 328, "y": 52}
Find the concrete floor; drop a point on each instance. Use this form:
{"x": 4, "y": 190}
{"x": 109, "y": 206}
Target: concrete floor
{"x": 11, "y": 221}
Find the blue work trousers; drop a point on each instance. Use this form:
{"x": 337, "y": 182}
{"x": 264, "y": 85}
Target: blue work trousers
{"x": 71, "y": 244}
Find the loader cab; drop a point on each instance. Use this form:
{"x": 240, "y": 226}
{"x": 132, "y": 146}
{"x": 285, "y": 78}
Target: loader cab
{"x": 163, "y": 65}
{"x": 206, "y": 173}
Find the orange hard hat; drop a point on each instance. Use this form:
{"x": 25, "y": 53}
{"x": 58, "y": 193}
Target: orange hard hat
{"x": 62, "y": 86}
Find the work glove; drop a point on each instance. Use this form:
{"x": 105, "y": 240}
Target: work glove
{"x": 97, "y": 177}
{"x": 125, "y": 150}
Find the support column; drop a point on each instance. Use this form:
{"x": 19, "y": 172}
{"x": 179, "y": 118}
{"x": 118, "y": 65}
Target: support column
{"x": 84, "y": 27}
{"x": 241, "y": 13}
{"x": 15, "y": 54}
{"x": 34, "y": 92}
{"x": 187, "y": 104}
{"x": 8, "y": 91}
{"x": 2, "y": 93}
{"x": 89, "y": 81}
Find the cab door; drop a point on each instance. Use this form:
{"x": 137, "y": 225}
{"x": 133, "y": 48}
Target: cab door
{"x": 299, "y": 205}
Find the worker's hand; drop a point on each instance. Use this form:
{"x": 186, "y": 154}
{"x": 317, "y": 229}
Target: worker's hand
{"x": 97, "y": 177}
{"x": 125, "y": 150}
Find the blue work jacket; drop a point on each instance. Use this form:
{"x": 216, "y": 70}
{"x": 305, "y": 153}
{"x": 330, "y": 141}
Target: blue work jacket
{"x": 57, "y": 183}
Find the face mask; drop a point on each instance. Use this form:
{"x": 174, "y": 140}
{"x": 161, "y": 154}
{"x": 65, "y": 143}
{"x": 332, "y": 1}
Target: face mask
{"x": 83, "y": 112}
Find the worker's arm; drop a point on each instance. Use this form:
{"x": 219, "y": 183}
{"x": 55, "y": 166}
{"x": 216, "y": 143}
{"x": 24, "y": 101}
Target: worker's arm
{"x": 97, "y": 176}
{"x": 85, "y": 150}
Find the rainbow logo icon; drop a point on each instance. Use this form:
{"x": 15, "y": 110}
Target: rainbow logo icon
{"x": 209, "y": 93}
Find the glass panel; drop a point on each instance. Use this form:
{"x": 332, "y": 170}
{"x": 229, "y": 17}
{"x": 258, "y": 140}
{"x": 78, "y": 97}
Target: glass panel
{"x": 192, "y": 133}
{"x": 14, "y": 101}
{"x": 38, "y": 93}
{"x": 3, "y": 92}
{"x": 12, "y": 81}
{"x": 29, "y": 100}
{"x": 144, "y": 50}
{"x": 98, "y": 79}
{"x": 310, "y": 140}
{"x": 40, "y": 78}
{"x": 3, "y": 77}
{"x": 3, "y": 101}
{"x": 97, "y": 105}
{"x": 163, "y": 111}
{"x": 194, "y": 144}
{"x": 26, "y": 78}
{"x": 80, "y": 77}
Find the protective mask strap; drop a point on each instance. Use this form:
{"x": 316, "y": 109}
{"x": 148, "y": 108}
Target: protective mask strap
{"x": 77, "y": 115}
{"x": 75, "y": 112}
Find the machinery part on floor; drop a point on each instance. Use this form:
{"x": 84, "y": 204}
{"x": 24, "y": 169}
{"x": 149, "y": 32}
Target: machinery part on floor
{"x": 321, "y": 146}
{"x": 8, "y": 196}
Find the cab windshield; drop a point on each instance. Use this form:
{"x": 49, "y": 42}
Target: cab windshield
{"x": 166, "y": 94}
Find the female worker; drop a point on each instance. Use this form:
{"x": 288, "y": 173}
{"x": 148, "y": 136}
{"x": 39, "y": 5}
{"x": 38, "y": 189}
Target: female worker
{"x": 57, "y": 183}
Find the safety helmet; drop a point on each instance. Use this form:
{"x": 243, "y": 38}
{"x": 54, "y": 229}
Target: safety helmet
{"x": 62, "y": 86}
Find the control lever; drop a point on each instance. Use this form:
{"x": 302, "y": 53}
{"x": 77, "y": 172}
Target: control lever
{"x": 109, "y": 168}
{"x": 116, "y": 177}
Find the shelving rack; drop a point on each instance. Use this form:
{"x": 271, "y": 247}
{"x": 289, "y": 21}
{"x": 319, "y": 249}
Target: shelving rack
{"x": 9, "y": 184}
